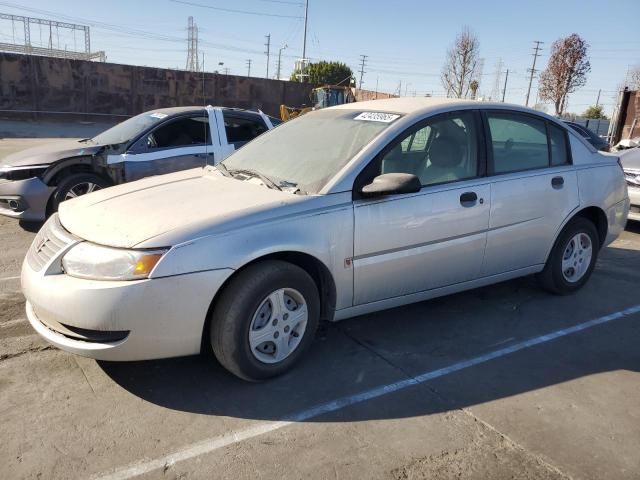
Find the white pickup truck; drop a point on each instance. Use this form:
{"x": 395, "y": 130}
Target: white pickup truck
{"x": 33, "y": 182}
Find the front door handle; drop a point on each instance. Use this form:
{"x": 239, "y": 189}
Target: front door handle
{"x": 557, "y": 182}
{"x": 468, "y": 199}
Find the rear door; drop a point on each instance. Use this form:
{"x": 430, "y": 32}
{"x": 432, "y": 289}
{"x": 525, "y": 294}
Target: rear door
{"x": 533, "y": 189}
{"x": 177, "y": 144}
{"x": 409, "y": 243}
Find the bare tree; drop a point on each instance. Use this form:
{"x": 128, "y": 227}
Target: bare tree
{"x": 566, "y": 71}
{"x": 633, "y": 81}
{"x": 461, "y": 64}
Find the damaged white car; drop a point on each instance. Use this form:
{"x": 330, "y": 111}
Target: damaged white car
{"x": 341, "y": 212}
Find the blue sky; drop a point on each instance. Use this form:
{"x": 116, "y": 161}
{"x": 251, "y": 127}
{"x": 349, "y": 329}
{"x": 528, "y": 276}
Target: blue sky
{"x": 406, "y": 41}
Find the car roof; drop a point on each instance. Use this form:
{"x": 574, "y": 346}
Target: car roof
{"x": 196, "y": 108}
{"x": 413, "y": 106}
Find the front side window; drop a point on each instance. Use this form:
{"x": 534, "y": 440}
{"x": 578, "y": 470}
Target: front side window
{"x": 182, "y": 132}
{"x": 518, "y": 142}
{"x": 440, "y": 151}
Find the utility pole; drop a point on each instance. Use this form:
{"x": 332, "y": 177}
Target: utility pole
{"x": 598, "y": 99}
{"x": 204, "y": 101}
{"x": 304, "y": 42}
{"x": 363, "y": 60}
{"x": 532, "y": 70}
{"x": 268, "y": 52}
{"x": 280, "y": 59}
{"x": 248, "y": 67}
{"x": 504, "y": 90}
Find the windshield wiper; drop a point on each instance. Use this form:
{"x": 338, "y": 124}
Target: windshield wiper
{"x": 291, "y": 188}
{"x": 84, "y": 140}
{"x": 266, "y": 180}
{"x": 223, "y": 169}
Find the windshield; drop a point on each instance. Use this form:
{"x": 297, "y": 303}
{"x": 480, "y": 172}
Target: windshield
{"x": 309, "y": 150}
{"x": 129, "y": 129}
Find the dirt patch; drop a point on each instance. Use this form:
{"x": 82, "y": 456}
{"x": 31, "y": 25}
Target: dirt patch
{"x": 488, "y": 455}
{"x": 11, "y": 306}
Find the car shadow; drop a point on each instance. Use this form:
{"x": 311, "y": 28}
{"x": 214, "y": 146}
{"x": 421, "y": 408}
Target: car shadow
{"x": 32, "y": 227}
{"x": 359, "y": 354}
{"x": 632, "y": 226}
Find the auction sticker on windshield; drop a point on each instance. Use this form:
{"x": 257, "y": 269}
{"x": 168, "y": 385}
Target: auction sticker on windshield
{"x": 377, "y": 117}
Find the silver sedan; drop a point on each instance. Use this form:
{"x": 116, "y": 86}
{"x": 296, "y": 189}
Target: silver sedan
{"x": 341, "y": 212}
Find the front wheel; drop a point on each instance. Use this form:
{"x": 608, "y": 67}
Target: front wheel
{"x": 572, "y": 259}
{"x": 76, "y": 185}
{"x": 265, "y": 319}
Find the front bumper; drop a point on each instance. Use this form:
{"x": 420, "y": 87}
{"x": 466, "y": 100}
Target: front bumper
{"x": 137, "y": 320}
{"x": 25, "y": 199}
{"x": 634, "y": 197}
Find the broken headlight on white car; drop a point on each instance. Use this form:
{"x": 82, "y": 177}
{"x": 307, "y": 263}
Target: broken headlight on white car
{"x": 95, "y": 262}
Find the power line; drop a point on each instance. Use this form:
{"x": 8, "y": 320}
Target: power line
{"x": 362, "y": 65}
{"x": 231, "y": 10}
{"x": 533, "y": 70}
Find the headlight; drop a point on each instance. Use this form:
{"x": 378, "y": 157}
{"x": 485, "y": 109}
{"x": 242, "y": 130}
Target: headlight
{"x": 9, "y": 172}
{"x": 87, "y": 260}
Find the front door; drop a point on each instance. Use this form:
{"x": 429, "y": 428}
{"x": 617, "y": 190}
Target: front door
{"x": 177, "y": 144}
{"x": 410, "y": 243}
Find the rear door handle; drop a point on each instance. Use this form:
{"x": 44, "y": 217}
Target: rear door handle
{"x": 557, "y": 182}
{"x": 468, "y": 199}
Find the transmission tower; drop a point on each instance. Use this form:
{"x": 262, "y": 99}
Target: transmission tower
{"x": 479, "y": 74}
{"x": 51, "y": 50}
{"x": 495, "y": 92}
{"x": 192, "y": 46}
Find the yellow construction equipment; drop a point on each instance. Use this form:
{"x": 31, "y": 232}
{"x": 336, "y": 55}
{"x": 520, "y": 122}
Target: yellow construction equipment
{"x": 321, "y": 97}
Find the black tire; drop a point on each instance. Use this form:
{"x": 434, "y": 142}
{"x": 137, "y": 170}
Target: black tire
{"x": 552, "y": 278}
{"x": 66, "y": 184}
{"x": 234, "y": 311}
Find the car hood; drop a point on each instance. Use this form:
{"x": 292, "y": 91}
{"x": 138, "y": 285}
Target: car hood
{"x": 168, "y": 209}
{"x": 50, "y": 153}
{"x": 630, "y": 159}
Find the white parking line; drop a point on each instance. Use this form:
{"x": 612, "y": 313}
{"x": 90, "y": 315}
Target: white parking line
{"x": 215, "y": 443}
{"x": 6, "y": 279}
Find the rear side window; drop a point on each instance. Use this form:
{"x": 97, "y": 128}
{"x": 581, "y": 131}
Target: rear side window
{"x": 559, "y": 150}
{"x": 518, "y": 142}
{"x": 241, "y": 130}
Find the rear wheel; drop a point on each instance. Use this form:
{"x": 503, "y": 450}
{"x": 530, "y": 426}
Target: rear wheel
{"x": 76, "y": 185}
{"x": 265, "y": 319}
{"x": 572, "y": 259}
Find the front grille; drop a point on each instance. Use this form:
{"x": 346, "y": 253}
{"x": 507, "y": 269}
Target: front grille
{"x": 49, "y": 241}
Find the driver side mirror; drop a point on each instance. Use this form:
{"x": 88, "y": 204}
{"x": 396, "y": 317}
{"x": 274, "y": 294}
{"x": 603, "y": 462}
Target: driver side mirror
{"x": 392, "y": 184}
